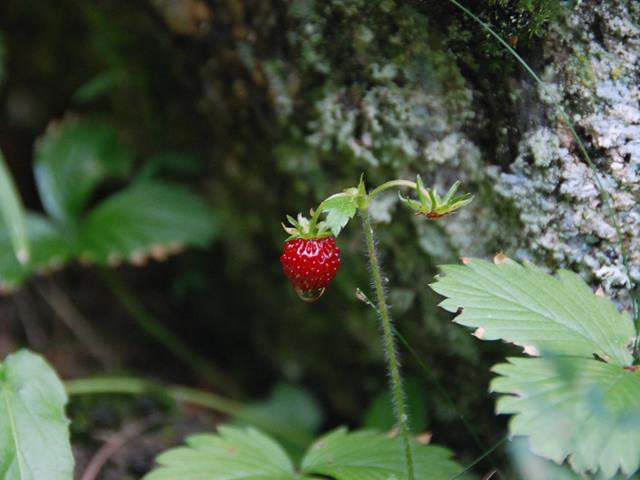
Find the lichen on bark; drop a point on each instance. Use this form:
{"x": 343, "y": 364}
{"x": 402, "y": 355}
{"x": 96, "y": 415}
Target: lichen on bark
{"x": 593, "y": 59}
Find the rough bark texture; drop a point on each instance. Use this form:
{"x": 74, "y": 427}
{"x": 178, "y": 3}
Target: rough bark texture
{"x": 592, "y": 63}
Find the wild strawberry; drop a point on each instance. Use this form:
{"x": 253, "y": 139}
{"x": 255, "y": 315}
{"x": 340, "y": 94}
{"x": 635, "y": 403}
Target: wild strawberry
{"x": 310, "y": 264}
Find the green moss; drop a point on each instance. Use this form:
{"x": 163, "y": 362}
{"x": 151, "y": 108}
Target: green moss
{"x": 518, "y": 18}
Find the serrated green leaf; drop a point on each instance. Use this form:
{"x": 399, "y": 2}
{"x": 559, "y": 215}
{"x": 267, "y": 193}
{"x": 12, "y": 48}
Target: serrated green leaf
{"x": 232, "y": 454}
{"x": 12, "y": 216}
{"x": 49, "y": 251}
{"x": 34, "y": 435}
{"x": 340, "y": 208}
{"x": 526, "y": 306}
{"x": 246, "y": 454}
{"x": 583, "y": 409}
{"x": 368, "y": 455}
{"x": 147, "y": 219}
{"x": 533, "y": 467}
{"x": 74, "y": 158}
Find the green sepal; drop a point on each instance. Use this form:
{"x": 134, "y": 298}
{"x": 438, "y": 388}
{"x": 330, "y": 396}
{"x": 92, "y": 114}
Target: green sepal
{"x": 449, "y": 195}
{"x": 432, "y": 205}
{"x": 303, "y": 228}
{"x": 413, "y": 204}
{"x": 339, "y": 209}
{"x": 424, "y": 200}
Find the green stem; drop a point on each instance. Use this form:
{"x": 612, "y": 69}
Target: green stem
{"x": 432, "y": 378}
{"x": 166, "y": 337}
{"x": 139, "y": 386}
{"x": 368, "y": 198}
{"x": 391, "y": 353}
{"x": 392, "y": 184}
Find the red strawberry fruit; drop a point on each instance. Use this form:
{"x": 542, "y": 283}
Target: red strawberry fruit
{"x": 310, "y": 264}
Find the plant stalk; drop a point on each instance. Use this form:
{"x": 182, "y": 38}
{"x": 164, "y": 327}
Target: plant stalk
{"x": 392, "y": 184}
{"x": 399, "y": 183}
{"x": 388, "y": 340}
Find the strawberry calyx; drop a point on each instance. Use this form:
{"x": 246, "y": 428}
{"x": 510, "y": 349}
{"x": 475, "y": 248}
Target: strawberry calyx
{"x": 305, "y": 229}
{"x": 431, "y": 205}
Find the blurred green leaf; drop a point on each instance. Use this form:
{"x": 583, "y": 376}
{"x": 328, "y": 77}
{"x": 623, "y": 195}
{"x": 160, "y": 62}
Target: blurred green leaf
{"x": 524, "y": 305}
{"x": 150, "y": 219}
{"x": 170, "y": 163}
{"x": 574, "y": 407}
{"x": 532, "y": 467}
{"x": 33, "y": 428}
{"x": 71, "y": 160}
{"x": 374, "y": 456}
{"x": 379, "y": 415}
{"x": 13, "y": 215}
{"x": 232, "y": 453}
{"x": 50, "y": 250}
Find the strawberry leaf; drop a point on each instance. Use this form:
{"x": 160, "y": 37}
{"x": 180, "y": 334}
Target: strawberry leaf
{"x": 533, "y": 467}
{"x": 367, "y": 454}
{"x": 71, "y": 160}
{"x": 148, "y": 219}
{"x": 524, "y": 305}
{"x": 34, "y": 431}
{"x": 233, "y": 453}
{"x": 576, "y": 408}
{"x": 49, "y": 251}
{"x": 568, "y": 404}
{"x": 340, "y": 208}
{"x": 12, "y": 214}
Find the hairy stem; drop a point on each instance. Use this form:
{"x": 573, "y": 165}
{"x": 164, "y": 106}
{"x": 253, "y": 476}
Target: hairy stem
{"x": 388, "y": 340}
